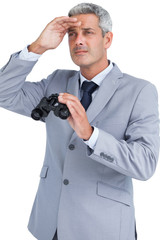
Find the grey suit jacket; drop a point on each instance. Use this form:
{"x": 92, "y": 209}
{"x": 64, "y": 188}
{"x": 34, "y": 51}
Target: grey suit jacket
{"x": 87, "y": 194}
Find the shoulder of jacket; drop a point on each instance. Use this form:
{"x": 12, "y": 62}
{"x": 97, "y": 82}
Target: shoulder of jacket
{"x": 135, "y": 83}
{"x": 65, "y": 72}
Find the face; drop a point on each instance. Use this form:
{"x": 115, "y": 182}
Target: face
{"x": 86, "y": 43}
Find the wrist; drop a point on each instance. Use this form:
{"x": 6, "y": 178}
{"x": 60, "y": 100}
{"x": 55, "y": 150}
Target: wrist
{"x": 36, "y": 48}
{"x": 89, "y": 134}
{"x": 91, "y": 143}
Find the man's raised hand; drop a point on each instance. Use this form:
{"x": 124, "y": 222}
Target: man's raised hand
{"x": 53, "y": 34}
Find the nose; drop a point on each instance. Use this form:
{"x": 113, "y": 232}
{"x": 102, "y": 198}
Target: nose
{"x": 79, "y": 39}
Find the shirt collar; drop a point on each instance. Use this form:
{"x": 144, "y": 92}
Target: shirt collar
{"x": 99, "y": 77}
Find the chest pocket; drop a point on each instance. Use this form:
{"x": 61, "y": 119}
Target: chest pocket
{"x": 44, "y": 171}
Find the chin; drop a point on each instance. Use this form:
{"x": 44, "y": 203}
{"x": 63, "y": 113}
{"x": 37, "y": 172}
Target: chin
{"x": 82, "y": 63}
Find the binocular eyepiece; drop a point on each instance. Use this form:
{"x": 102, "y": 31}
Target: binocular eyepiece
{"x": 50, "y": 104}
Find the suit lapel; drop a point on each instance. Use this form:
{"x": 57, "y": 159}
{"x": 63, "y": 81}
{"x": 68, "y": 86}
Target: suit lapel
{"x": 105, "y": 92}
{"x": 73, "y": 88}
{"x": 73, "y": 85}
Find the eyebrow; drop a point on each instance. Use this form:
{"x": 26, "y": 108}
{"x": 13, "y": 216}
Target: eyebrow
{"x": 86, "y": 29}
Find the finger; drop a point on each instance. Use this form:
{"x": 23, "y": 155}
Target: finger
{"x": 64, "y": 19}
{"x": 69, "y": 97}
{"x": 71, "y": 25}
{"x": 64, "y": 23}
{"x": 76, "y": 112}
{"x": 75, "y": 107}
{"x": 72, "y": 109}
{"x": 61, "y": 20}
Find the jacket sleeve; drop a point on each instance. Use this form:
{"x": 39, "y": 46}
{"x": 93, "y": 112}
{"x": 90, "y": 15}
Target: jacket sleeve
{"x": 16, "y": 94}
{"x": 135, "y": 156}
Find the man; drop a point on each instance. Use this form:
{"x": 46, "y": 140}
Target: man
{"x": 85, "y": 190}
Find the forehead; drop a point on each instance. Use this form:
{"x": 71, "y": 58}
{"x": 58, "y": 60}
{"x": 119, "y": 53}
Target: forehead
{"x": 88, "y": 20}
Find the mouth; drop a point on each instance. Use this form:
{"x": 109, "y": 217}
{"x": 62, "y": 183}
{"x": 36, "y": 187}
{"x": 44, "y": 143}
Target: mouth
{"x": 80, "y": 52}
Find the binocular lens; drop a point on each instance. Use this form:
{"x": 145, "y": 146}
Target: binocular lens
{"x": 37, "y": 114}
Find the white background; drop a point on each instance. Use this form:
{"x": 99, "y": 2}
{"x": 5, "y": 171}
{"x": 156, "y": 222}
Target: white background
{"x": 135, "y": 49}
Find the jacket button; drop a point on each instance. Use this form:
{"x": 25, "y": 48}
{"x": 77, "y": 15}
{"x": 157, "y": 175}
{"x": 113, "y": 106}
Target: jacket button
{"x": 110, "y": 159}
{"x": 102, "y": 154}
{"x": 66, "y": 181}
{"x": 71, "y": 147}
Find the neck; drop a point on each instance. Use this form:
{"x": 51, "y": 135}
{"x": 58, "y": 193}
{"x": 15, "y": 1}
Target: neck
{"x": 90, "y": 72}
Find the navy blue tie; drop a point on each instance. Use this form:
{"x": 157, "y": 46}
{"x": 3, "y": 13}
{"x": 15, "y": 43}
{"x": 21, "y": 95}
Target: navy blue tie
{"x": 88, "y": 88}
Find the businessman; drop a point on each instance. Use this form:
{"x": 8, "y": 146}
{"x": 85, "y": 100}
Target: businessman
{"x": 111, "y": 136}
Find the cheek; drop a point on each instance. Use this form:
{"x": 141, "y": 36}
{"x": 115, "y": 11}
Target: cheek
{"x": 98, "y": 51}
{"x": 70, "y": 44}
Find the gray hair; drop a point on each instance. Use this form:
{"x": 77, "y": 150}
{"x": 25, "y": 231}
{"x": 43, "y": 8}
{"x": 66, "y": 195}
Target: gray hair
{"x": 105, "y": 22}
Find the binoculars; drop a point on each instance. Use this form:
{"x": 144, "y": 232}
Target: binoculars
{"x": 50, "y": 104}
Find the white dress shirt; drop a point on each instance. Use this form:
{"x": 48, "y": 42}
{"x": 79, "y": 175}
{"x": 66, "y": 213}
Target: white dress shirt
{"x": 30, "y": 56}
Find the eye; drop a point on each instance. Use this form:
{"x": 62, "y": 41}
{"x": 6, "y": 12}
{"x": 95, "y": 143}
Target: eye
{"x": 71, "y": 34}
{"x": 88, "y": 32}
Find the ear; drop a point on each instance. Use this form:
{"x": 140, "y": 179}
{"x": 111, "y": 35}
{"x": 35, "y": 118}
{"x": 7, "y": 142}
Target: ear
{"x": 108, "y": 39}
